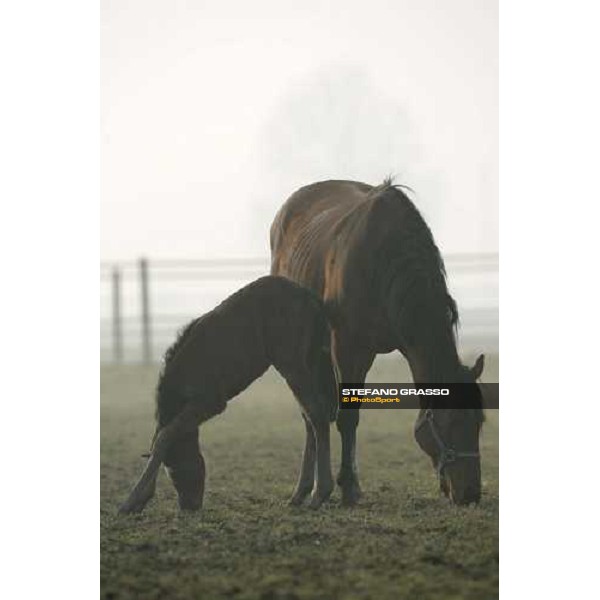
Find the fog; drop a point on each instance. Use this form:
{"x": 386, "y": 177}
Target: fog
{"x": 214, "y": 112}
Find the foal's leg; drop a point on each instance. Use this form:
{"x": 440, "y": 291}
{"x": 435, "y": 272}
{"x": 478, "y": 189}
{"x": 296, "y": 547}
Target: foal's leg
{"x": 307, "y": 469}
{"x": 353, "y": 368}
{"x": 324, "y": 481}
{"x": 316, "y": 410}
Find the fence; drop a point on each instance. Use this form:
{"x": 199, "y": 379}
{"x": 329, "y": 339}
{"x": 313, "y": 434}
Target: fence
{"x": 145, "y": 302}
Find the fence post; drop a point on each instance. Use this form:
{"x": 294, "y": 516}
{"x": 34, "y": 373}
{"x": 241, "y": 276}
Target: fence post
{"x": 116, "y": 316}
{"x": 146, "y": 319}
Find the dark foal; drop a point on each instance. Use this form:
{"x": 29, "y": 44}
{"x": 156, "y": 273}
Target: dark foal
{"x": 272, "y": 321}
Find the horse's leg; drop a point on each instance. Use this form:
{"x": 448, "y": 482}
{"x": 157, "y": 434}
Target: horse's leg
{"x": 144, "y": 488}
{"x": 307, "y": 469}
{"x": 347, "y": 479}
{"x": 353, "y": 368}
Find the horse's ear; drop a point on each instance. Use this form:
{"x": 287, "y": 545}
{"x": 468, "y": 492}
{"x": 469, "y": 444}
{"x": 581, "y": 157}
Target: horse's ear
{"x": 477, "y": 368}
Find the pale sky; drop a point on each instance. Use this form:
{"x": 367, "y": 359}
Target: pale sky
{"x": 214, "y": 112}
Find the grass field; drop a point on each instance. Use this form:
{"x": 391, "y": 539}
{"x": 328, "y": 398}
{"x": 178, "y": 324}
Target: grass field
{"x": 402, "y": 541}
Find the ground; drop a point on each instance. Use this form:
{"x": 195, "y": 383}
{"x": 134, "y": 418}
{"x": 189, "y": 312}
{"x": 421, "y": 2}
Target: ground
{"x": 402, "y": 541}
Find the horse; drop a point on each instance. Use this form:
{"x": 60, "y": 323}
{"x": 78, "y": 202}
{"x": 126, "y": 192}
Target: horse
{"x": 271, "y": 321}
{"x": 369, "y": 254}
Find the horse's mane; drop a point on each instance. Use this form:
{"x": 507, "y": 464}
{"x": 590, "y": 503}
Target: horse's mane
{"x": 388, "y": 182}
{"x": 417, "y": 254}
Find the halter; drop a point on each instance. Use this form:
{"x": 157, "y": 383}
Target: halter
{"x": 447, "y": 453}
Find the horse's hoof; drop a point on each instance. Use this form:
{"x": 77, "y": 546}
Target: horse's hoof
{"x": 190, "y": 507}
{"x": 190, "y": 503}
{"x": 298, "y": 498}
{"x": 128, "y": 508}
{"x": 316, "y": 501}
{"x": 351, "y": 494}
{"x": 317, "y": 498}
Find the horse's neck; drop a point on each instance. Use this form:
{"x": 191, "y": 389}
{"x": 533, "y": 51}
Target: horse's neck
{"x": 434, "y": 360}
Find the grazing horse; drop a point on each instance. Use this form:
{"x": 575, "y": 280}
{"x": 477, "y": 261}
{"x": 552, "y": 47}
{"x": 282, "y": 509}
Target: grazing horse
{"x": 271, "y": 321}
{"x": 370, "y": 255}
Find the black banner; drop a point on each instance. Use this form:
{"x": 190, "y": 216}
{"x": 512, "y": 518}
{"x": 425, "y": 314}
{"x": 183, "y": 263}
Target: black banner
{"x": 409, "y": 395}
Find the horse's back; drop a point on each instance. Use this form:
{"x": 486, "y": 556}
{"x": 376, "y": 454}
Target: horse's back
{"x": 314, "y": 220}
{"x": 324, "y": 202}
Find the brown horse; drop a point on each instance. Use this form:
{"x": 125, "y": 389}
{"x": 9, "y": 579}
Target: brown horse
{"x": 272, "y": 321}
{"x": 370, "y": 255}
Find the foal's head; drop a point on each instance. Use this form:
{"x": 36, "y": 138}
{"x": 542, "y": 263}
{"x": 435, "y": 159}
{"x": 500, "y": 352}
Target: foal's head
{"x": 450, "y": 436}
{"x": 185, "y": 467}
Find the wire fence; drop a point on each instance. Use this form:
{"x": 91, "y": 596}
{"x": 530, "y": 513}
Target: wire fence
{"x": 145, "y": 302}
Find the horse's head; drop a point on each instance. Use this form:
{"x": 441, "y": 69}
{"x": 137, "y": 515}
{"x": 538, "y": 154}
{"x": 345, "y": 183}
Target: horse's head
{"x": 185, "y": 467}
{"x": 450, "y": 436}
